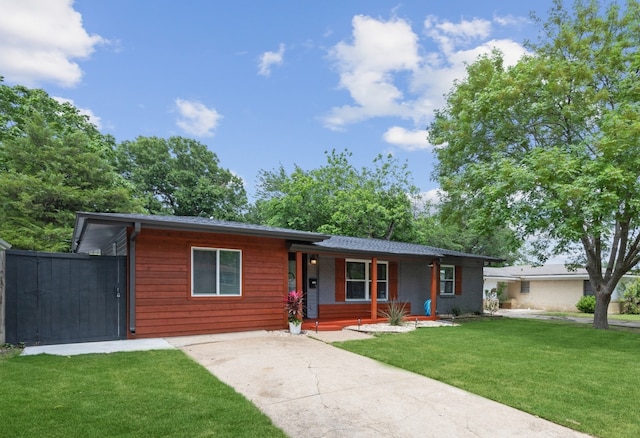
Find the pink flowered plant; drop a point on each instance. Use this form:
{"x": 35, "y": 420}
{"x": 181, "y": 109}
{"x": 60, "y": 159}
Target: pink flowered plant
{"x": 293, "y": 306}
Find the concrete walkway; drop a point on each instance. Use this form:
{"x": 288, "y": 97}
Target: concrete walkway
{"x": 312, "y": 389}
{"x": 540, "y": 314}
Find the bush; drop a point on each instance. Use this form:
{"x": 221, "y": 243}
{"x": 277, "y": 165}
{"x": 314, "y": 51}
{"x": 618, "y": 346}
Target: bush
{"x": 587, "y": 304}
{"x": 395, "y": 313}
{"x": 631, "y": 298}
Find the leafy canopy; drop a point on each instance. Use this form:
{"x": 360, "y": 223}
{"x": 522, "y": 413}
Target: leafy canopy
{"x": 337, "y": 198}
{"x": 180, "y": 176}
{"x": 550, "y": 146}
{"x": 53, "y": 162}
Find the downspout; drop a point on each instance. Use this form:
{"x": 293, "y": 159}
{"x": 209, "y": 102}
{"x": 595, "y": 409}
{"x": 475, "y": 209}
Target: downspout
{"x": 132, "y": 277}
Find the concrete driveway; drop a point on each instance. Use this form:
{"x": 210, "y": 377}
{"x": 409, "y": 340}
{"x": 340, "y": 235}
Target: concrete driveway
{"x": 312, "y": 389}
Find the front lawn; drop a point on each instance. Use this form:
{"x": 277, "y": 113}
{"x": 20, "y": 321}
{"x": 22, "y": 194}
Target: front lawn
{"x": 568, "y": 373}
{"x": 141, "y": 394}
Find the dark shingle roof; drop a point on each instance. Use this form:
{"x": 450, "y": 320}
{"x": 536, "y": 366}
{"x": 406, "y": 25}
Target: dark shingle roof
{"x": 94, "y": 230}
{"x": 359, "y": 244}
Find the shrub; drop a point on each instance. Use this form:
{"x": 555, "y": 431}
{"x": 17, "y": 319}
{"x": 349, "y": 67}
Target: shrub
{"x": 587, "y": 304}
{"x": 395, "y": 313}
{"x": 631, "y": 298}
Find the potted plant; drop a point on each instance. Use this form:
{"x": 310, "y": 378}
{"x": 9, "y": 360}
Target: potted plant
{"x": 293, "y": 307}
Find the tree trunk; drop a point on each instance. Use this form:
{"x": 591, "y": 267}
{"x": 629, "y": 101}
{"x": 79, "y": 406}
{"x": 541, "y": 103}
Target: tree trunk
{"x": 600, "y": 320}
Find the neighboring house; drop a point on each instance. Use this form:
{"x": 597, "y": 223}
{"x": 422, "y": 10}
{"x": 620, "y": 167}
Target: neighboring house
{"x": 547, "y": 287}
{"x": 191, "y": 275}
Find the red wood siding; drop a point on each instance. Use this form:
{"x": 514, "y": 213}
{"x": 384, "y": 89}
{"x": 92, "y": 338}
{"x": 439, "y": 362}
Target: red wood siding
{"x": 165, "y": 307}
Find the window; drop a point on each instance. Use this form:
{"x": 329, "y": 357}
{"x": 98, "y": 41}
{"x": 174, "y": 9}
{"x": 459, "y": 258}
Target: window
{"x": 586, "y": 288}
{"x": 447, "y": 280}
{"x": 216, "y": 272}
{"x": 524, "y": 287}
{"x": 358, "y": 277}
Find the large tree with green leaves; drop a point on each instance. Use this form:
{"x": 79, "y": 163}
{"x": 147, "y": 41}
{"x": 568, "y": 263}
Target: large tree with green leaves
{"x": 437, "y": 228}
{"x": 53, "y": 162}
{"x": 338, "y": 198}
{"x": 551, "y": 145}
{"x": 180, "y": 176}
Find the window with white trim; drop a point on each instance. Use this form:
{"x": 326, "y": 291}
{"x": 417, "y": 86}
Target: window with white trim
{"x": 358, "y": 278}
{"x": 525, "y": 287}
{"x": 447, "y": 280}
{"x": 216, "y": 272}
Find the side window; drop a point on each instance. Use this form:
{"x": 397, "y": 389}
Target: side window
{"x": 216, "y": 272}
{"x": 524, "y": 287}
{"x": 447, "y": 280}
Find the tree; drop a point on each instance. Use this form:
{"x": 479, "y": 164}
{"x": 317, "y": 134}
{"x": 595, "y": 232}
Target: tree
{"x": 180, "y": 176}
{"x": 454, "y": 232}
{"x": 339, "y": 199}
{"x": 53, "y": 162}
{"x": 550, "y": 146}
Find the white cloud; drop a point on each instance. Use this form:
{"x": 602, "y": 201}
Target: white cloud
{"x": 433, "y": 195}
{"x": 96, "y": 120}
{"x": 510, "y": 20}
{"x": 366, "y": 68}
{"x": 269, "y": 59}
{"x": 196, "y": 119}
{"x": 405, "y": 139}
{"x": 389, "y": 73}
{"x": 40, "y": 41}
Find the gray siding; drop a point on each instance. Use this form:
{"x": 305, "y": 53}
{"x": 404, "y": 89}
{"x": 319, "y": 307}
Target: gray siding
{"x": 327, "y": 280}
{"x": 471, "y": 298}
{"x": 414, "y": 284}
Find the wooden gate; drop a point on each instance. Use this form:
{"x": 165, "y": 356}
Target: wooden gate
{"x": 56, "y": 298}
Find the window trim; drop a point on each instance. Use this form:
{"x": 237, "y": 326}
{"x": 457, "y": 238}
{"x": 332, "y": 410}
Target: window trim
{"x": 367, "y": 280}
{"x": 525, "y": 287}
{"x": 452, "y": 280}
{"x": 217, "y": 251}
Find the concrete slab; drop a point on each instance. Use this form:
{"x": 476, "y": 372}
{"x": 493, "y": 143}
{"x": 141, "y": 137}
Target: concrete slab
{"x": 99, "y": 347}
{"x": 312, "y": 389}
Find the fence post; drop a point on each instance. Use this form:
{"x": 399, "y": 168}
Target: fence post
{"x": 3, "y": 246}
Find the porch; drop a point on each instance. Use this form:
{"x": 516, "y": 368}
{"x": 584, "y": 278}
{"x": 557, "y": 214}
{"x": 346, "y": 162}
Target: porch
{"x": 332, "y": 324}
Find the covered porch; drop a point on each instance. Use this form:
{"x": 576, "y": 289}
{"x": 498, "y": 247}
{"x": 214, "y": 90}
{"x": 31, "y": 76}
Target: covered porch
{"x": 332, "y": 324}
{"x": 343, "y": 313}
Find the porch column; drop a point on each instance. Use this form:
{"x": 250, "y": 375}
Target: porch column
{"x": 435, "y": 284}
{"x": 299, "y": 271}
{"x": 374, "y": 288}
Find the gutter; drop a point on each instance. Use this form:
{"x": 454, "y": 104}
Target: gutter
{"x": 132, "y": 276}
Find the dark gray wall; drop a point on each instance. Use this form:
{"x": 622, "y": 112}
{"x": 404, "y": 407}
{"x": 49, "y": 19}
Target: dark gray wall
{"x": 56, "y": 298}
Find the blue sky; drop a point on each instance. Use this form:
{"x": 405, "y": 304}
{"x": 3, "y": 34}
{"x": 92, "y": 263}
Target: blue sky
{"x": 262, "y": 82}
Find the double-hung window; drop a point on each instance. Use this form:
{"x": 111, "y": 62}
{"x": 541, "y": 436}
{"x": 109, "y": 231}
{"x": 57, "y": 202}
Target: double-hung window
{"x": 447, "y": 280}
{"x": 359, "y": 280}
{"x": 216, "y": 272}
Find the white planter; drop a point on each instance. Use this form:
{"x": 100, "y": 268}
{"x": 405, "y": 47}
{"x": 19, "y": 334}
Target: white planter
{"x": 295, "y": 328}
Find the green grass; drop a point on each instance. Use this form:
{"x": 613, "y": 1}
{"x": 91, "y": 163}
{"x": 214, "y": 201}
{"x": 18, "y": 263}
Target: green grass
{"x": 568, "y": 373}
{"x": 142, "y": 394}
